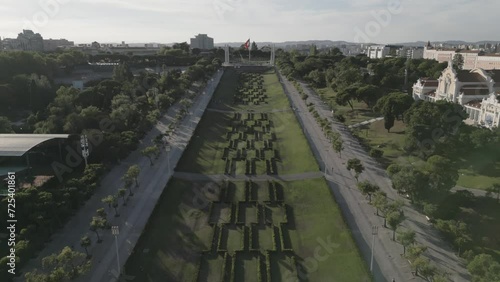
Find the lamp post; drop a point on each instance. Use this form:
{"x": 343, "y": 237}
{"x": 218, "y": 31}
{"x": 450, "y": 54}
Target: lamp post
{"x": 374, "y": 232}
{"x": 84, "y": 143}
{"x": 168, "y": 148}
{"x": 116, "y": 231}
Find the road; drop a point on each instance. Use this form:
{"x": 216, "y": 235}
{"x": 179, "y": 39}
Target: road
{"x": 360, "y": 216}
{"x": 134, "y": 216}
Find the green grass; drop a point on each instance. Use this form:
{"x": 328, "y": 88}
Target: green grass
{"x": 487, "y": 164}
{"x": 317, "y": 216}
{"x": 359, "y": 113}
{"x": 173, "y": 238}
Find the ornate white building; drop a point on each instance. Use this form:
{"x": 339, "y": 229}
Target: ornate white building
{"x": 477, "y": 90}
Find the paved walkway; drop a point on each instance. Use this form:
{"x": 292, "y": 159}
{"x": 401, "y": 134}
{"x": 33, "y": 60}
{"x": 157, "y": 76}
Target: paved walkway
{"x": 360, "y": 216}
{"x": 134, "y": 216}
{"x": 366, "y": 122}
{"x": 256, "y": 178}
{"x": 248, "y": 111}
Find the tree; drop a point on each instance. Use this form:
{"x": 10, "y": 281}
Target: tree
{"x": 442, "y": 174}
{"x": 458, "y": 62}
{"x": 96, "y": 224}
{"x": 254, "y": 46}
{"x": 67, "y": 265}
{"x": 389, "y": 208}
{"x": 356, "y": 166}
{"x": 101, "y": 213}
{"x": 150, "y": 152}
{"x": 115, "y": 205}
{"x": 414, "y": 252}
{"x": 338, "y": 146}
{"x": 423, "y": 265}
{"x": 121, "y": 193}
{"x": 5, "y": 125}
{"x": 368, "y": 188}
{"x": 379, "y": 200}
{"x": 406, "y": 238}
{"x": 85, "y": 242}
{"x": 394, "y": 219}
{"x": 133, "y": 173}
{"x": 484, "y": 268}
{"x": 410, "y": 180}
{"x": 108, "y": 200}
{"x": 389, "y": 122}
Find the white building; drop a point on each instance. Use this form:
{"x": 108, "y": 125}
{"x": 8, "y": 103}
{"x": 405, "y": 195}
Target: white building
{"x": 477, "y": 90}
{"x": 377, "y": 51}
{"x": 203, "y": 42}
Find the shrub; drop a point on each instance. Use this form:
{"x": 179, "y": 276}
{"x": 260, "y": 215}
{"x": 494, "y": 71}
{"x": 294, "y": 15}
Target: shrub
{"x": 340, "y": 118}
{"x": 376, "y": 153}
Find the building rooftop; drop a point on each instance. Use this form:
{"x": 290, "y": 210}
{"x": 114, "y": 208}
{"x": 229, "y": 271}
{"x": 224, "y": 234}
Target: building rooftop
{"x": 16, "y": 145}
{"x": 467, "y": 76}
{"x": 474, "y": 91}
{"x": 474, "y": 103}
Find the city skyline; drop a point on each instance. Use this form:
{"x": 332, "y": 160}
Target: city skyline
{"x": 377, "y": 21}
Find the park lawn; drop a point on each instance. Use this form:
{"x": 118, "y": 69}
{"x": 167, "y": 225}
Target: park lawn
{"x": 205, "y": 150}
{"x": 292, "y": 145}
{"x": 360, "y": 113}
{"x": 391, "y": 143}
{"x": 317, "y": 216}
{"x": 170, "y": 246}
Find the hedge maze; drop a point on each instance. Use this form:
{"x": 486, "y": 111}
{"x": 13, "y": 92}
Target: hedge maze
{"x": 250, "y": 240}
{"x": 251, "y": 146}
{"x": 250, "y": 90}
{"x": 251, "y": 139}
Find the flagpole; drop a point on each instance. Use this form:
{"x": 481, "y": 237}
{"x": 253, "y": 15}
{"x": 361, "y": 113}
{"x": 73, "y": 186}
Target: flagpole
{"x": 249, "y": 50}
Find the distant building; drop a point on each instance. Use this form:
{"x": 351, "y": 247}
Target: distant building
{"x": 411, "y": 52}
{"x": 29, "y": 41}
{"x": 202, "y": 41}
{"x": 477, "y": 90}
{"x": 473, "y": 59}
{"x": 377, "y": 51}
{"x": 53, "y": 44}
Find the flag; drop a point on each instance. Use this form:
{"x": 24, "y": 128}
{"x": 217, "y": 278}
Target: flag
{"x": 247, "y": 44}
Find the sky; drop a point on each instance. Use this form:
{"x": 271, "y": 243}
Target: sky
{"x": 167, "y": 21}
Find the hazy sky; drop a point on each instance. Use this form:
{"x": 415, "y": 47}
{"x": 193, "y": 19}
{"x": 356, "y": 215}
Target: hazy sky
{"x": 168, "y": 21}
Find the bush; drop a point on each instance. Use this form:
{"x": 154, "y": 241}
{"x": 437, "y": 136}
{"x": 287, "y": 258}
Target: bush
{"x": 340, "y": 118}
{"x": 376, "y": 153}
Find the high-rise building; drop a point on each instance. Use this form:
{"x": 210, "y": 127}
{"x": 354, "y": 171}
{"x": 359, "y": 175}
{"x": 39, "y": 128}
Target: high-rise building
{"x": 202, "y": 41}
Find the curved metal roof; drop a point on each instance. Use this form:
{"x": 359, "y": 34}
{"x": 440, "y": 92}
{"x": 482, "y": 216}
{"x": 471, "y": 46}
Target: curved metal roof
{"x": 16, "y": 145}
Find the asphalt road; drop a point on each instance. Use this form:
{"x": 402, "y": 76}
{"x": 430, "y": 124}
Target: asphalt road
{"x": 359, "y": 215}
{"x": 134, "y": 216}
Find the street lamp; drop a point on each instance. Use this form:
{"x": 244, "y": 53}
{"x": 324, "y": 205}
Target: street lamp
{"x": 374, "y": 232}
{"x": 116, "y": 231}
{"x": 168, "y": 158}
